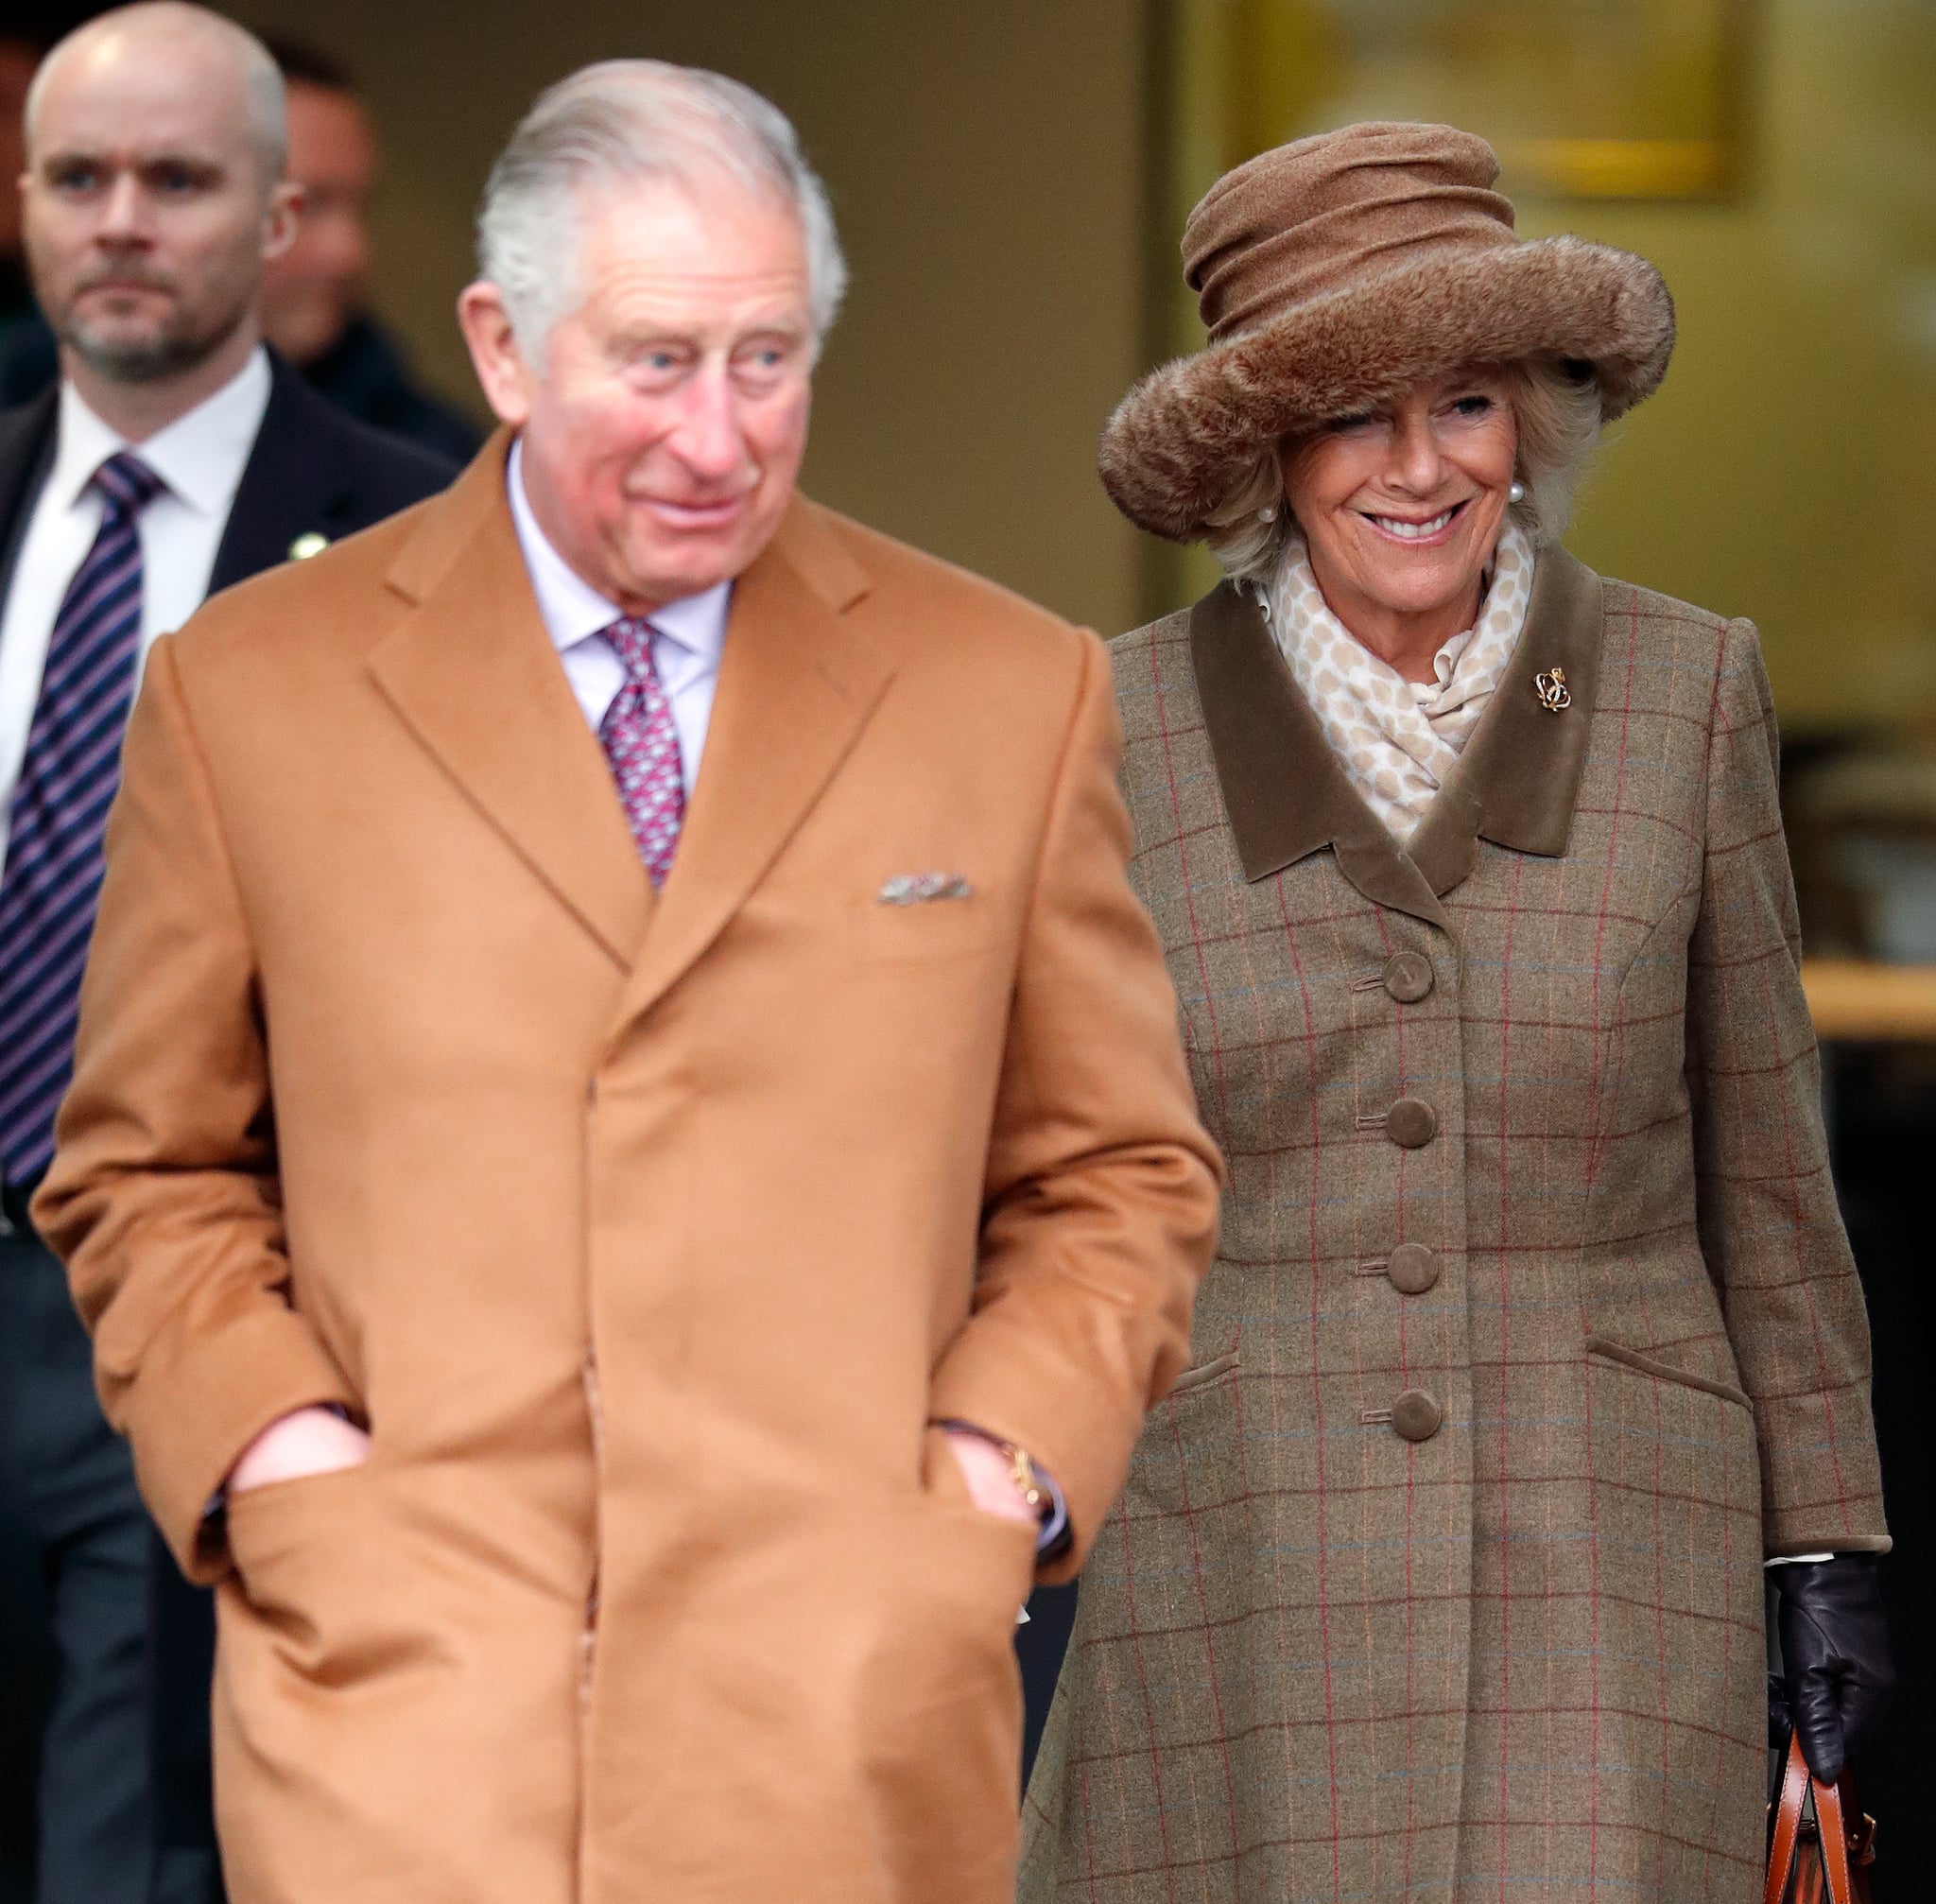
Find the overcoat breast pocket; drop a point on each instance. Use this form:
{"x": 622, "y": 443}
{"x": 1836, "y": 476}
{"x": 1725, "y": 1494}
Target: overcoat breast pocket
{"x": 951, "y": 924}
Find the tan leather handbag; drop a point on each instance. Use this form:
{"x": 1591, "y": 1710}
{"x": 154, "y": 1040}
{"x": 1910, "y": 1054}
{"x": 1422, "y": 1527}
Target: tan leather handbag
{"x": 1815, "y": 1856}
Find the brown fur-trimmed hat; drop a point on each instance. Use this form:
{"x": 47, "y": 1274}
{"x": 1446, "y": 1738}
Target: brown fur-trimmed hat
{"x": 1341, "y": 270}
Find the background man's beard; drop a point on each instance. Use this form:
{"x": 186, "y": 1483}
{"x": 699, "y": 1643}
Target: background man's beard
{"x": 167, "y": 352}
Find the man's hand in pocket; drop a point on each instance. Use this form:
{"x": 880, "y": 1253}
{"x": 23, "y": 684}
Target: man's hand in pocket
{"x": 989, "y": 1478}
{"x": 312, "y": 1440}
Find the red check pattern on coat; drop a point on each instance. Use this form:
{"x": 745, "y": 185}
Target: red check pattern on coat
{"x": 1523, "y": 1658}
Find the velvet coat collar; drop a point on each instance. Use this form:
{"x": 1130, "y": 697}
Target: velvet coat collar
{"x": 1287, "y": 794}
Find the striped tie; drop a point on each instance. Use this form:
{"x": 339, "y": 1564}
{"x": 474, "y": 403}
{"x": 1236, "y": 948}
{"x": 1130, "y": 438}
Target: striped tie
{"x": 52, "y": 881}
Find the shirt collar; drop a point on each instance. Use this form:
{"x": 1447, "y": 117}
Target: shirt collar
{"x": 574, "y": 611}
{"x": 199, "y": 456}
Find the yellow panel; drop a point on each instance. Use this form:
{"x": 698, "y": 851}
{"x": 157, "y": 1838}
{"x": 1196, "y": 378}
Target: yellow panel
{"x": 1780, "y": 168}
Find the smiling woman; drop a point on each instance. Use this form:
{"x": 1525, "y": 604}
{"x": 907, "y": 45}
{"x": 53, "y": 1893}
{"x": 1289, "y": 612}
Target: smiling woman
{"x": 1556, "y": 418}
{"x": 1530, "y": 1340}
{"x": 1401, "y": 507}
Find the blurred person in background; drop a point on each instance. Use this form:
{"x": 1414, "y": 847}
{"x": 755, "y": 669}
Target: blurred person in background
{"x": 1533, "y": 1333}
{"x": 628, "y": 1126}
{"x": 314, "y": 309}
{"x": 172, "y": 458}
{"x": 19, "y": 56}
{"x": 314, "y": 306}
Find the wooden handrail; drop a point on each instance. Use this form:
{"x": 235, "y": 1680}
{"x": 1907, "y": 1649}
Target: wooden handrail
{"x": 1865, "y": 999}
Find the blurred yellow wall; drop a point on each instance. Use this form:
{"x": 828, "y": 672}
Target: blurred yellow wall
{"x": 1785, "y": 470}
{"x": 987, "y": 164}
{"x": 991, "y": 163}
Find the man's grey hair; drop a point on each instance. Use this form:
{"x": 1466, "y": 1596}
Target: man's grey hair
{"x": 628, "y": 122}
{"x": 1558, "y": 417}
{"x": 262, "y": 80}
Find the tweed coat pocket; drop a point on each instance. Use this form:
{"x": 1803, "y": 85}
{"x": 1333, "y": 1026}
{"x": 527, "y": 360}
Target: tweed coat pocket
{"x": 1202, "y": 1375}
{"x": 1616, "y": 1352}
{"x": 1670, "y": 1616}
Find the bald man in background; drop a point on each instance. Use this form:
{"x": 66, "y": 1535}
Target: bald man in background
{"x": 174, "y": 459}
{"x": 315, "y": 294}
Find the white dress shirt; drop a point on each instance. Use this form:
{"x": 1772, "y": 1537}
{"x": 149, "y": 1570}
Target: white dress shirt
{"x": 200, "y": 457}
{"x": 691, "y": 634}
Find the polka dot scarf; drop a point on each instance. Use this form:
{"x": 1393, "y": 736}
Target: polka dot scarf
{"x": 1398, "y": 739}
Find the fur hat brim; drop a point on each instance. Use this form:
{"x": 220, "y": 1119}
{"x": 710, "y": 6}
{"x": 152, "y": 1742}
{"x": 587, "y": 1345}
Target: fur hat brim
{"x": 1193, "y": 428}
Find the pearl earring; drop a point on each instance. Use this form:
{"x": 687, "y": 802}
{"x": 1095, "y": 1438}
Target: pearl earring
{"x": 1516, "y": 494}
{"x": 1267, "y": 514}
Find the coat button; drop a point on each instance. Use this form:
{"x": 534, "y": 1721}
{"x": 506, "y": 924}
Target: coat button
{"x": 1411, "y": 1122}
{"x": 1413, "y": 1269}
{"x": 1416, "y": 1416}
{"x": 1409, "y": 977}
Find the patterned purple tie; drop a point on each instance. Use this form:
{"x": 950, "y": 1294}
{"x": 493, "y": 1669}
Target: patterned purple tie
{"x": 642, "y": 744}
{"x": 67, "y": 781}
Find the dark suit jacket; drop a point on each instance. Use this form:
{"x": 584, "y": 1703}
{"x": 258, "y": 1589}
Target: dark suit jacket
{"x": 312, "y": 471}
{"x": 365, "y": 373}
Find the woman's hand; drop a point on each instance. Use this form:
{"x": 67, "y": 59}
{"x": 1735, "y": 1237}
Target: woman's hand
{"x": 311, "y": 1441}
{"x": 1836, "y": 1668}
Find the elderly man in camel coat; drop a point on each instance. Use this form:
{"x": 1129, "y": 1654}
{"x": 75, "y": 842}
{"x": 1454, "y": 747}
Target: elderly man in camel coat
{"x": 625, "y": 1271}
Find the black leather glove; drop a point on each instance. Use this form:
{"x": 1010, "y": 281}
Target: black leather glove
{"x": 1836, "y": 1672}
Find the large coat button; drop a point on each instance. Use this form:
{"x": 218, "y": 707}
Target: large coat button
{"x": 1409, "y": 977}
{"x": 1416, "y": 1416}
{"x": 1411, "y": 1122}
{"x": 1413, "y": 1269}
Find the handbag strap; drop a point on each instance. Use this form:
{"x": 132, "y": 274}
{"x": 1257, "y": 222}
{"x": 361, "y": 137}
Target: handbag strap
{"x": 1831, "y": 1833}
{"x": 1835, "y": 1842}
{"x": 1788, "y": 1825}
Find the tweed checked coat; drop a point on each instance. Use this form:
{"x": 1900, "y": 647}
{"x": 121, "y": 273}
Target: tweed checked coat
{"x": 1533, "y": 1329}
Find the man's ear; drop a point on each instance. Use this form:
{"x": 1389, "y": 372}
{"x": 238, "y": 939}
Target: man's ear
{"x": 281, "y": 219}
{"x": 496, "y": 356}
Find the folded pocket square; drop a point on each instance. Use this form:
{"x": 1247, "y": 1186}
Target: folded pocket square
{"x": 911, "y": 889}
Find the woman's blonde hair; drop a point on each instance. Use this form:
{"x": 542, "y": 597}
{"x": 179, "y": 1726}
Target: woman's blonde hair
{"x": 1556, "y": 411}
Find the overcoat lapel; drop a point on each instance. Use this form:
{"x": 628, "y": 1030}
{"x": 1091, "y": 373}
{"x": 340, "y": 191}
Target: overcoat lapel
{"x": 475, "y": 677}
{"x": 1287, "y": 794}
{"x": 797, "y": 683}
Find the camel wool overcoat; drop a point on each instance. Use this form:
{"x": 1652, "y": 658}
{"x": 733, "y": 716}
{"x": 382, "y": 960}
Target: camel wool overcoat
{"x": 1532, "y": 1328}
{"x": 647, "y": 1233}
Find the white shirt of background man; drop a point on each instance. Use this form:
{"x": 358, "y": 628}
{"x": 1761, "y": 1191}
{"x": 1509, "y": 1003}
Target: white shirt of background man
{"x": 691, "y": 631}
{"x": 200, "y": 457}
